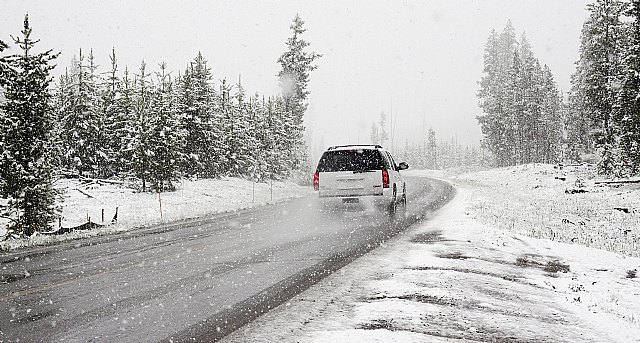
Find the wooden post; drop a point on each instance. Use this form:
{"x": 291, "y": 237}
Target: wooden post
{"x": 103, "y": 215}
{"x": 160, "y": 201}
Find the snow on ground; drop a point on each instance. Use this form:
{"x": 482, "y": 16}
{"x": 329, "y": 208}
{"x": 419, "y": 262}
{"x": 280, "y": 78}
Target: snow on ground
{"x": 471, "y": 275}
{"x": 83, "y": 201}
{"x": 566, "y": 204}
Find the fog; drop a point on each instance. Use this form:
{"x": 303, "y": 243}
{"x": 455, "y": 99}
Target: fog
{"x": 418, "y": 61}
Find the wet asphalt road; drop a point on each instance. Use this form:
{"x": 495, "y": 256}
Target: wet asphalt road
{"x": 195, "y": 280}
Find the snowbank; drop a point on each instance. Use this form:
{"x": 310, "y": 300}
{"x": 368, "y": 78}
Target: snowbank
{"x": 192, "y": 199}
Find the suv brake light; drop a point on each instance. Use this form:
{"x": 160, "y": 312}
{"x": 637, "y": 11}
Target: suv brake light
{"x": 316, "y": 181}
{"x": 385, "y": 178}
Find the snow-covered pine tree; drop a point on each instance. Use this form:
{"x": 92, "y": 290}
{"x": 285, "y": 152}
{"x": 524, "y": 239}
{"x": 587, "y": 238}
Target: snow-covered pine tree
{"x": 576, "y": 123}
{"x": 432, "y": 149}
{"x": 382, "y": 121}
{"x": 551, "y": 128}
{"x": 139, "y": 143}
{"x": 239, "y": 140}
{"x": 26, "y": 170}
{"x": 627, "y": 111}
{"x": 296, "y": 63}
{"x": 374, "y": 134}
{"x": 166, "y": 140}
{"x": 113, "y": 127}
{"x": 62, "y": 104}
{"x": 495, "y": 121}
{"x": 258, "y": 130}
{"x": 274, "y": 138}
{"x": 82, "y": 123}
{"x": 521, "y": 119}
{"x": 205, "y": 144}
{"x": 124, "y": 127}
{"x": 598, "y": 68}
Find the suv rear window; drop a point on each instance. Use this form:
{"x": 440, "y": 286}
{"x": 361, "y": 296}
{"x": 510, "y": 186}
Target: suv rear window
{"x": 351, "y": 160}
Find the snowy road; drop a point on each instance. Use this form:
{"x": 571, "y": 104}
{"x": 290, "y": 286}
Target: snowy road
{"x": 197, "y": 279}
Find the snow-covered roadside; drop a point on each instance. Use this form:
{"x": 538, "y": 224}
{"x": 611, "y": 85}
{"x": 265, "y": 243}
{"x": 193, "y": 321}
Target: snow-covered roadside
{"x": 568, "y": 204}
{"x": 458, "y": 278}
{"x": 192, "y": 199}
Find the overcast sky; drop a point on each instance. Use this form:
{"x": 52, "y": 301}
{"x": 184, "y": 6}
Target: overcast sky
{"x": 420, "y": 59}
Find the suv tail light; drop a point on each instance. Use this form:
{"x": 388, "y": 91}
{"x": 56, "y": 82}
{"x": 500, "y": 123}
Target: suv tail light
{"x": 316, "y": 181}
{"x": 385, "y": 178}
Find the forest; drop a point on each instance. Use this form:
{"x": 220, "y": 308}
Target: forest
{"x": 525, "y": 118}
{"x": 147, "y": 125}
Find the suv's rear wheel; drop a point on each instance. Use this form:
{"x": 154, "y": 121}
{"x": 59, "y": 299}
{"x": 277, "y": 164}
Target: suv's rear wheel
{"x": 402, "y": 211}
{"x": 392, "y": 208}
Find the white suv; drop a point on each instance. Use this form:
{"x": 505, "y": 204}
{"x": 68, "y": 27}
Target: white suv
{"x": 360, "y": 175}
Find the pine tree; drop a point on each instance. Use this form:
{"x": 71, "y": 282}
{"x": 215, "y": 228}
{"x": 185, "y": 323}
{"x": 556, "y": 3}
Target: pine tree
{"x": 82, "y": 124}
{"x": 63, "y": 104}
{"x": 297, "y": 64}
{"x": 140, "y": 142}
{"x": 432, "y": 149}
{"x": 627, "y": 111}
{"x": 374, "y": 134}
{"x": 576, "y": 122}
{"x": 165, "y": 141}
{"x": 382, "y": 121}
{"x": 113, "y": 127}
{"x": 197, "y": 101}
{"x": 521, "y": 120}
{"x": 26, "y": 170}
{"x": 124, "y": 130}
{"x": 599, "y": 67}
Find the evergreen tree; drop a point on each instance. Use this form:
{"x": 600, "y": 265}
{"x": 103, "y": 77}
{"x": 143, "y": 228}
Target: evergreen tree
{"x": 140, "y": 142}
{"x": 26, "y": 121}
{"x": 63, "y": 104}
{"x": 432, "y": 159}
{"x": 165, "y": 140}
{"x": 374, "y": 134}
{"x": 123, "y": 129}
{"x": 521, "y": 119}
{"x": 114, "y": 124}
{"x": 576, "y": 123}
{"x": 297, "y": 64}
{"x": 382, "y": 121}
{"x": 627, "y": 112}
{"x": 83, "y": 122}
{"x": 599, "y": 66}
{"x": 205, "y": 143}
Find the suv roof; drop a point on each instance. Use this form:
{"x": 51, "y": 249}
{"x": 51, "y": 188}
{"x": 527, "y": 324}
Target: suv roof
{"x": 352, "y": 146}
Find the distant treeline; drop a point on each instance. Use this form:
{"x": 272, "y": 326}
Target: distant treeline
{"x": 433, "y": 154}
